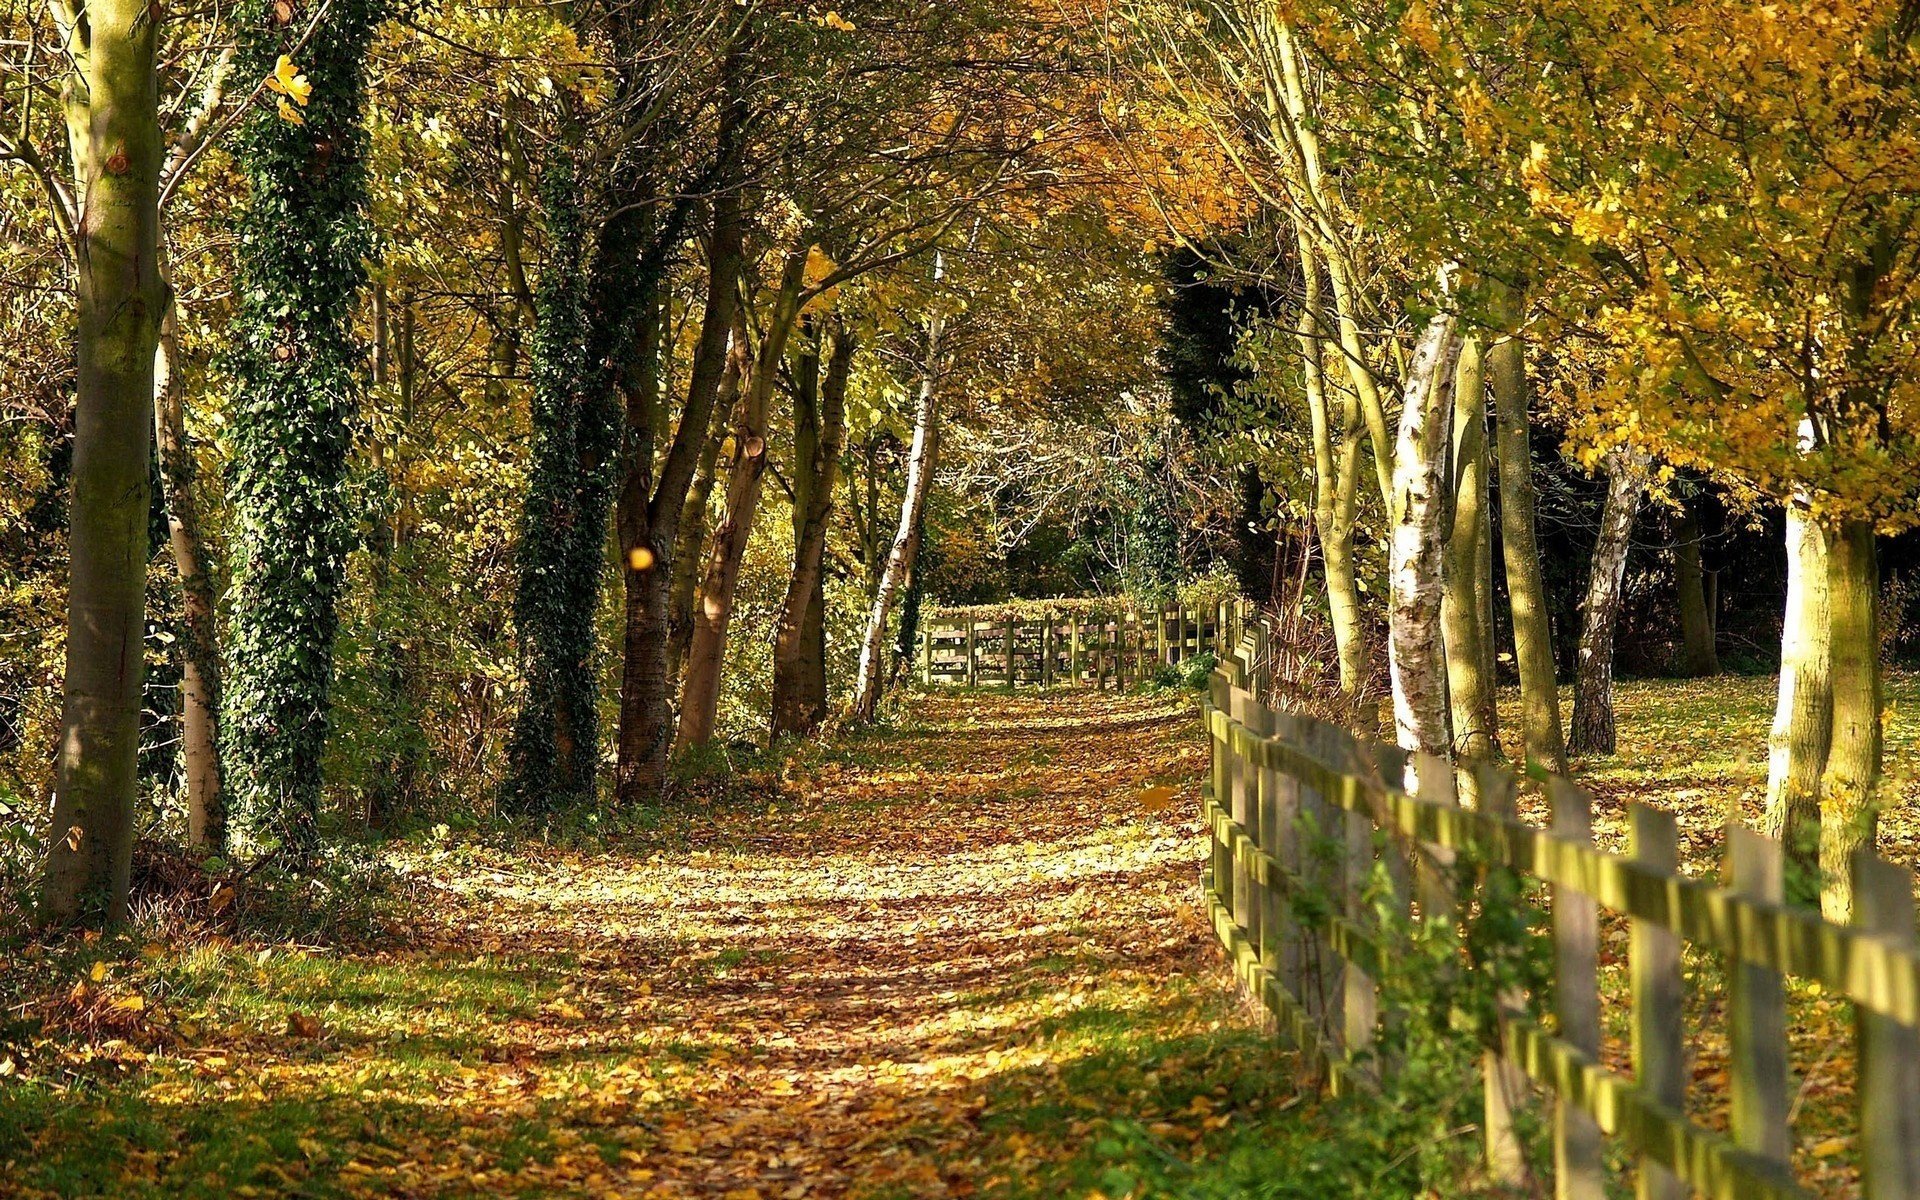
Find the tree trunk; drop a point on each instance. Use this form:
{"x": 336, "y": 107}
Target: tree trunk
{"x": 1848, "y": 816}
{"x": 906, "y": 540}
{"x": 1335, "y": 488}
{"x": 114, "y": 132}
{"x": 700, "y": 692}
{"x": 1593, "y": 731}
{"x": 1418, "y": 542}
{"x": 656, "y": 519}
{"x": 1468, "y": 579}
{"x": 1801, "y": 737}
{"x": 199, "y": 618}
{"x": 1526, "y": 586}
{"x": 303, "y": 245}
{"x": 1699, "y": 656}
{"x": 820, "y": 434}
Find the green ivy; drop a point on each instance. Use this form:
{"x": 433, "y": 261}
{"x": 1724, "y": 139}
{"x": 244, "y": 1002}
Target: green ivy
{"x": 304, "y": 241}
{"x": 576, "y": 430}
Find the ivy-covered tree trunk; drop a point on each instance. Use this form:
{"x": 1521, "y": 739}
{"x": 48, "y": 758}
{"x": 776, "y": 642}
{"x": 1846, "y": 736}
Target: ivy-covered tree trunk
{"x": 1469, "y": 579}
{"x": 555, "y": 745}
{"x": 1593, "y": 731}
{"x": 1520, "y": 547}
{"x": 114, "y": 131}
{"x": 820, "y": 434}
{"x": 303, "y": 245}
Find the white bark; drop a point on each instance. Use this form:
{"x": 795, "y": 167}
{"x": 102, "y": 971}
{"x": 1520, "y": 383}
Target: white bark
{"x": 1417, "y": 548}
{"x": 906, "y": 540}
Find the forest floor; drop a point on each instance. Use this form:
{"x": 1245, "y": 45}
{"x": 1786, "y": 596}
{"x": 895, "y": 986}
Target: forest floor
{"x": 958, "y": 958}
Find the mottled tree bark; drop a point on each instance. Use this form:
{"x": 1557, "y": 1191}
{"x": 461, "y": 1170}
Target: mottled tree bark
{"x": 1593, "y": 731}
{"x": 906, "y": 539}
{"x": 1418, "y": 542}
{"x": 1506, "y": 370}
{"x": 1802, "y": 732}
{"x": 820, "y": 434}
{"x": 113, "y": 128}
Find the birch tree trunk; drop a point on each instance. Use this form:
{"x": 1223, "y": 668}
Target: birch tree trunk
{"x": 1802, "y": 732}
{"x": 1848, "y": 817}
{"x": 113, "y": 128}
{"x": 1520, "y": 548}
{"x": 700, "y": 691}
{"x": 906, "y": 540}
{"x": 1468, "y": 569}
{"x": 1418, "y": 542}
{"x": 799, "y": 652}
{"x": 199, "y": 618}
{"x": 1593, "y": 731}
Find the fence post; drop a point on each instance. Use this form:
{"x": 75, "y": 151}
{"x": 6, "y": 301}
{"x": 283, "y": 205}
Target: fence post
{"x": 1756, "y": 1012}
{"x": 926, "y": 655}
{"x": 1160, "y": 633}
{"x": 1246, "y": 906}
{"x": 1012, "y": 628}
{"x": 1360, "y": 1008}
{"x": 1578, "y": 1171}
{"x": 1503, "y": 1084}
{"x": 1223, "y": 865}
{"x": 1220, "y": 629}
{"x": 1046, "y": 652}
{"x": 1889, "y": 1050}
{"x": 973, "y": 653}
{"x": 1266, "y": 800}
{"x": 1653, "y": 957}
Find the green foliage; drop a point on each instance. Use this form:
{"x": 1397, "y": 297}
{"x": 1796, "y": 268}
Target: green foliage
{"x": 303, "y": 245}
{"x": 555, "y": 746}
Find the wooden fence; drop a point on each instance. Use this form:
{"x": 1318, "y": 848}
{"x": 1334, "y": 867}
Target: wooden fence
{"x": 1289, "y": 911}
{"x": 1073, "y": 646}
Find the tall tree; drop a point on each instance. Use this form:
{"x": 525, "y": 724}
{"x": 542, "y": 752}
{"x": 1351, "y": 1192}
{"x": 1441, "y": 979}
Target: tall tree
{"x": 820, "y": 435}
{"x": 303, "y": 245}
{"x": 111, "y": 220}
{"x": 1593, "y": 726}
{"x": 554, "y": 753}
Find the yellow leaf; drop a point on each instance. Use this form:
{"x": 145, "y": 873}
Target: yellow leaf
{"x": 289, "y": 82}
{"x": 1830, "y": 1147}
{"x": 130, "y": 1003}
{"x": 834, "y": 20}
{"x": 1156, "y": 799}
{"x": 99, "y": 972}
{"x": 290, "y": 114}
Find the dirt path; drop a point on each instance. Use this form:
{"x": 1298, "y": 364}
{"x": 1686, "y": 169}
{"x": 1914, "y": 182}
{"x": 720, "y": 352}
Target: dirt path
{"x": 949, "y": 961}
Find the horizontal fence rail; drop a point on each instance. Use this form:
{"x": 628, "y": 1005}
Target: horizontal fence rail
{"x": 1076, "y": 644}
{"x": 1302, "y": 815}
